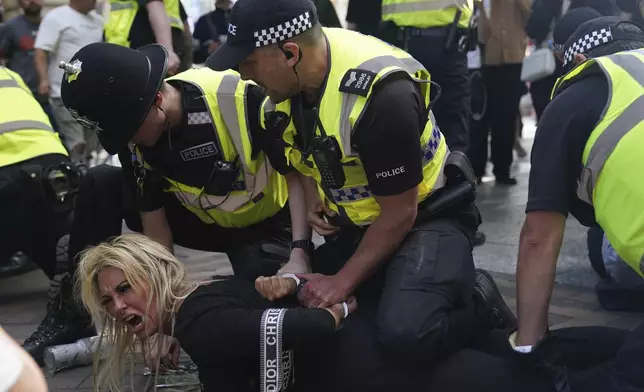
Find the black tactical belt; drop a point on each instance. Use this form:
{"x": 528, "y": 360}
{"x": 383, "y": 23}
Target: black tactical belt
{"x": 277, "y": 371}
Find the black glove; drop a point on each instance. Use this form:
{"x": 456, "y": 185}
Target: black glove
{"x": 545, "y": 359}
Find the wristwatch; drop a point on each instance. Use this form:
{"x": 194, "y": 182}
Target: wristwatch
{"x": 307, "y": 245}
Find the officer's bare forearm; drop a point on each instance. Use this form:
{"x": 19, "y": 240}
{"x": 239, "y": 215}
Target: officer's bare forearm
{"x": 155, "y": 225}
{"x": 160, "y": 23}
{"x": 539, "y": 246}
{"x": 40, "y": 62}
{"x": 397, "y": 217}
{"x": 297, "y": 207}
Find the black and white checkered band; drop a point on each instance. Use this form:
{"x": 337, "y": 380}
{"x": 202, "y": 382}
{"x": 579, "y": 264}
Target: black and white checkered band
{"x": 587, "y": 43}
{"x": 283, "y": 31}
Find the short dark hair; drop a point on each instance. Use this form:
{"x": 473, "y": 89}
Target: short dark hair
{"x": 310, "y": 37}
{"x": 620, "y": 45}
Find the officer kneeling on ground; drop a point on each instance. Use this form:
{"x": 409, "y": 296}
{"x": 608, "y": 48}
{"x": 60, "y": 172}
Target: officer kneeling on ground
{"x": 586, "y": 160}
{"x": 38, "y": 186}
{"x": 361, "y": 131}
{"x": 195, "y": 175}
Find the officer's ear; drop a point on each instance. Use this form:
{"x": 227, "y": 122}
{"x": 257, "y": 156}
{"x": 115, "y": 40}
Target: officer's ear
{"x": 292, "y": 53}
{"x": 580, "y": 58}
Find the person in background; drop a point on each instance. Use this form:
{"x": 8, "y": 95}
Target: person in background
{"x": 503, "y": 40}
{"x": 18, "y": 371}
{"x": 635, "y": 8}
{"x": 326, "y": 13}
{"x": 540, "y": 29}
{"x": 364, "y": 16}
{"x": 136, "y": 23}
{"x": 17, "y": 38}
{"x": 62, "y": 33}
{"x": 210, "y": 30}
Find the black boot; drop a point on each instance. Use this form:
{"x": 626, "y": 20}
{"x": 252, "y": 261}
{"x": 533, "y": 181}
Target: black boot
{"x": 65, "y": 322}
{"x": 490, "y": 305}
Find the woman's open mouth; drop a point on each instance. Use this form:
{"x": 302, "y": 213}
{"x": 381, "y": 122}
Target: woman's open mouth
{"x": 134, "y": 321}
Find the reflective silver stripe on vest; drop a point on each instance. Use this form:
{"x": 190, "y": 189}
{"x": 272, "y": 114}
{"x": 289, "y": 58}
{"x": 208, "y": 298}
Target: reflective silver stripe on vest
{"x": 176, "y": 21}
{"x": 421, "y": 5}
{"x": 375, "y": 65}
{"x": 228, "y": 109}
{"x": 364, "y": 192}
{"x": 608, "y": 140}
{"x": 8, "y": 83}
{"x": 120, "y": 5}
{"x": 12, "y": 126}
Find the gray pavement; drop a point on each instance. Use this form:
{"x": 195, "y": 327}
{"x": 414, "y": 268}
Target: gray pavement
{"x": 23, "y": 298}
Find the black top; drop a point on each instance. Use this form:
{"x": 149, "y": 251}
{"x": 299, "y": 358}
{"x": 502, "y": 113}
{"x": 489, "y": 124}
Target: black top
{"x": 388, "y": 131}
{"x": 187, "y": 153}
{"x": 559, "y": 143}
{"x": 218, "y": 326}
{"x": 207, "y": 30}
{"x": 141, "y": 33}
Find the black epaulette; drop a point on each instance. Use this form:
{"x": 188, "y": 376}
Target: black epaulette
{"x": 357, "y": 81}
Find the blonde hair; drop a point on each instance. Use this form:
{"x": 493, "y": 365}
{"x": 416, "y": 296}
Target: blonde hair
{"x": 148, "y": 267}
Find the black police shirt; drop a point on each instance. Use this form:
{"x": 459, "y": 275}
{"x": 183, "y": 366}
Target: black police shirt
{"x": 182, "y": 154}
{"x": 387, "y": 137}
{"x": 562, "y": 133}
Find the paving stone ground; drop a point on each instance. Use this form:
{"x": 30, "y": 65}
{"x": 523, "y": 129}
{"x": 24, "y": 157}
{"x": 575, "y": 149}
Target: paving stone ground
{"x": 23, "y": 298}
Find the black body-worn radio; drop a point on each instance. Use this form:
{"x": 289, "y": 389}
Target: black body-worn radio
{"x": 327, "y": 155}
{"x": 223, "y": 176}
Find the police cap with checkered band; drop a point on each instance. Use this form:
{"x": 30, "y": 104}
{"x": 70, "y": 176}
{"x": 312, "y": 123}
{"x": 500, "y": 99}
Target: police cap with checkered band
{"x": 110, "y": 89}
{"x": 595, "y": 33}
{"x": 257, "y": 23}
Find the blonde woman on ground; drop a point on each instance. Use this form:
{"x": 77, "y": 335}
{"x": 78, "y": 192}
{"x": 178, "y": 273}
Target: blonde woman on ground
{"x": 137, "y": 290}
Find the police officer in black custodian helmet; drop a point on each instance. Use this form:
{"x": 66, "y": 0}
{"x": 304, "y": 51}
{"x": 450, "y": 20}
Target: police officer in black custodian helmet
{"x": 194, "y": 171}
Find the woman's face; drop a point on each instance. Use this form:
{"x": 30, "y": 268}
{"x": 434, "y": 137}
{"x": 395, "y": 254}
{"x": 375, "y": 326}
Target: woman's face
{"x": 127, "y": 306}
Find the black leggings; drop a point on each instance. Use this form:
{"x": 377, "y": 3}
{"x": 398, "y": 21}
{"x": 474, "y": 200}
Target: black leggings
{"x": 105, "y": 199}
{"x": 353, "y": 361}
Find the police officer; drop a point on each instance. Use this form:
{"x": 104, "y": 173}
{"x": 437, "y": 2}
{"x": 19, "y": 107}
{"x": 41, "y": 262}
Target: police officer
{"x": 37, "y": 190}
{"x": 195, "y": 176}
{"x": 585, "y": 161}
{"x": 439, "y": 37}
{"x": 350, "y": 112}
{"x": 136, "y": 23}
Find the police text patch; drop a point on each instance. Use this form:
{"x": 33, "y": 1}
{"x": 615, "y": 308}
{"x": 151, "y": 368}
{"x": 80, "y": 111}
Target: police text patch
{"x": 357, "y": 81}
{"x": 200, "y": 151}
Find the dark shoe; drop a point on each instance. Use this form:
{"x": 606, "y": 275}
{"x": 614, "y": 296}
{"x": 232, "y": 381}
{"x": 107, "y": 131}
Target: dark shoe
{"x": 509, "y": 181}
{"x": 490, "y": 304}
{"x": 479, "y": 238}
{"x": 18, "y": 264}
{"x": 65, "y": 322}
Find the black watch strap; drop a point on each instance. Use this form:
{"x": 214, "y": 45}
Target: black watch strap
{"x": 307, "y": 245}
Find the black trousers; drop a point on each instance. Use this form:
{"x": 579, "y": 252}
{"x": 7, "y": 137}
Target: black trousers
{"x": 32, "y": 221}
{"x": 353, "y": 360}
{"x": 105, "y": 199}
{"x": 448, "y": 68}
{"x": 421, "y": 300}
{"x": 503, "y": 89}
{"x": 540, "y": 92}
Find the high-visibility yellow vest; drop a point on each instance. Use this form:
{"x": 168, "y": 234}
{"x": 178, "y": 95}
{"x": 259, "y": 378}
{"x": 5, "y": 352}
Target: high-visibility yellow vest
{"x": 121, "y": 17}
{"x": 265, "y": 192}
{"x": 340, "y": 113}
{"x": 613, "y": 159}
{"x": 25, "y": 129}
{"x": 424, "y": 14}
